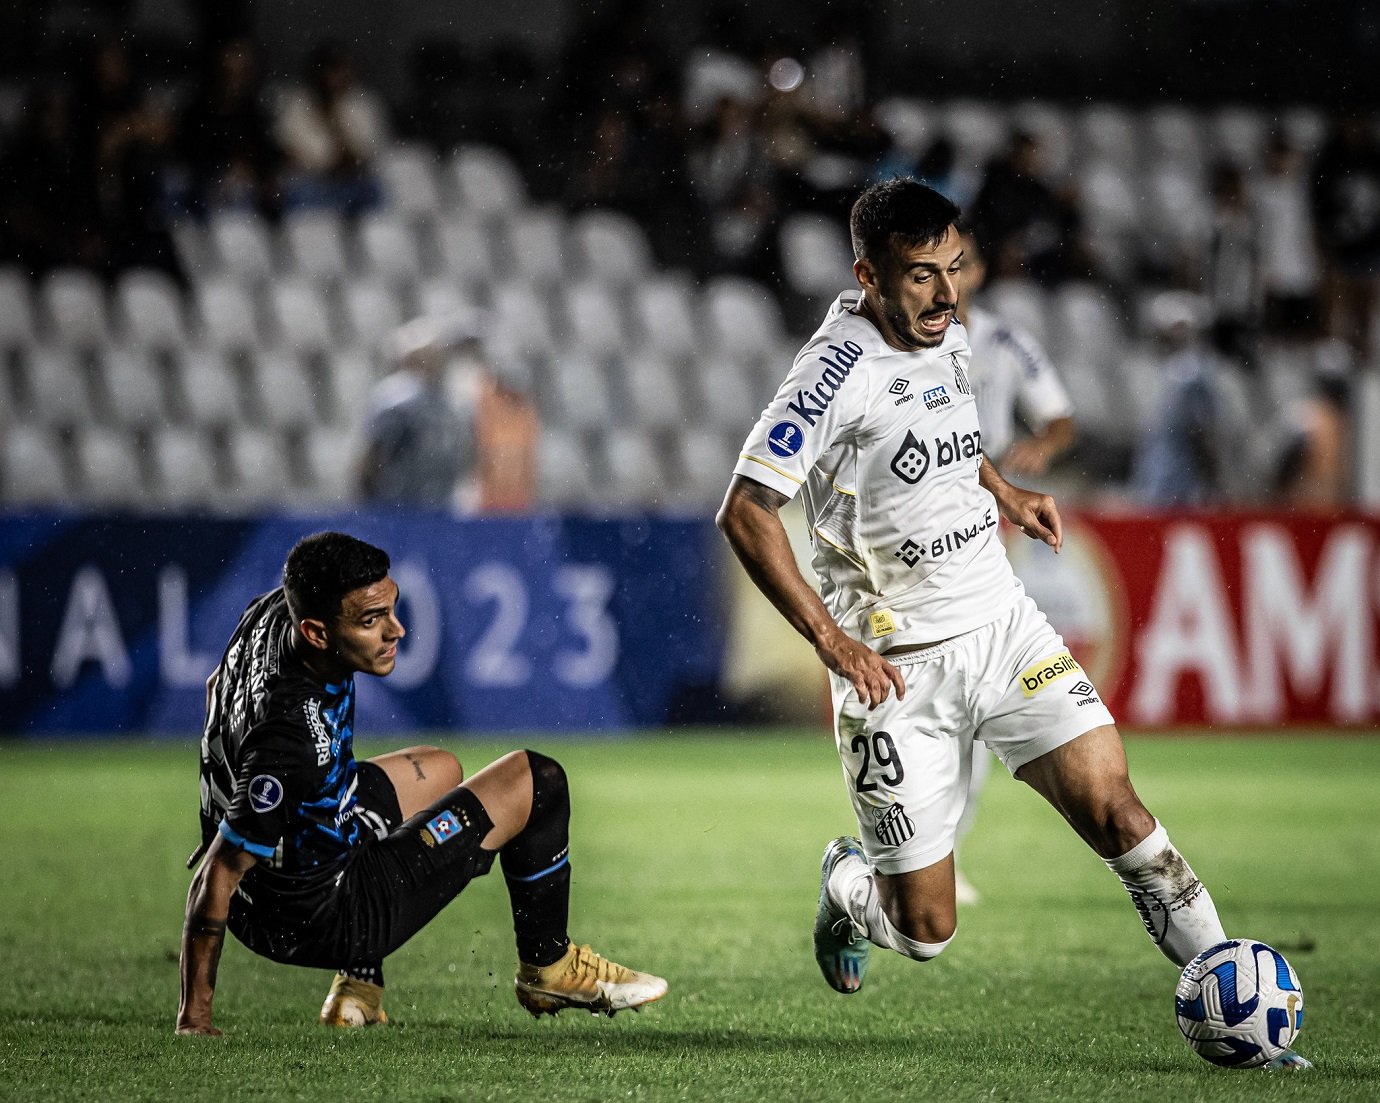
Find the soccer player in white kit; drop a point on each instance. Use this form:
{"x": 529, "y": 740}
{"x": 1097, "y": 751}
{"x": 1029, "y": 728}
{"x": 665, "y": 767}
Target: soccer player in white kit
{"x": 1010, "y": 375}
{"x": 929, "y": 637}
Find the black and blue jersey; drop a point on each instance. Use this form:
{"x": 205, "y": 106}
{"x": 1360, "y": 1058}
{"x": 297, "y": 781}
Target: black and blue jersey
{"x": 278, "y": 771}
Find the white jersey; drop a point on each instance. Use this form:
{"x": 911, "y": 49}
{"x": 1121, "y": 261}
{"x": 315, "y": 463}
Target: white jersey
{"x": 1010, "y": 372}
{"x": 886, "y": 448}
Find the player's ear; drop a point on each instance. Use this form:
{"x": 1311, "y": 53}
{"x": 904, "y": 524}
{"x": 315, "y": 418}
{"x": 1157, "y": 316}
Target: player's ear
{"x": 314, "y": 632}
{"x": 865, "y": 274}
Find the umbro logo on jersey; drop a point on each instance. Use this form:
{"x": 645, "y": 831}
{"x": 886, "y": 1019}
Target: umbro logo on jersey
{"x": 913, "y": 460}
{"x": 785, "y": 439}
{"x": 900, "y": 387}
{"x": 811, "y": 403}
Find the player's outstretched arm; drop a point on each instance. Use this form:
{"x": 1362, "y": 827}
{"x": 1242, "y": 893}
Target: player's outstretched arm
{"x": 203, "y": 932}
{"x": 1034, "y": 514}
{"x": 750, "y": 520}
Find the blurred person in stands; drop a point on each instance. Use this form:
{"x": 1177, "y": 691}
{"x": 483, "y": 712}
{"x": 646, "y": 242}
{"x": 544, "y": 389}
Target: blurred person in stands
{"x": 1231, "y": 267}
{"x": 1290, "y": 269}
{"x": 226, "y": 134}
{"x": 312, "y": 858}
{"x": 1013, "y": 383}
{"x": 733, "y": 184}
{"x": 1029, "y": 228}
{"x": 447, "y": 428}
{"x": 330, "y": 128}
{"x": 1314, "y": 470}
{"x": 1346, "y": 205}
{"x": 48, "y": 198}
{"x": 1179, "y": 461}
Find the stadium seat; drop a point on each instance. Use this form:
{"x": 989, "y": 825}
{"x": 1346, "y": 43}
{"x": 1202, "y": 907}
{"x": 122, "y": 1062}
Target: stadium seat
{"x": 467, "y": 251}
{"x": 653, "y": 391}
{"x": 815, "y": 255}
{"x": 33, "y": 470}
{"x": 1098, "y": 407}
{"x": 330, "y": 463}
{"x": 1239, "y": 134}
{"x": 106, "y": 466}
{"x": 611, "y": 247}
{"x": 1174, "y": 135}
{"x": 595, "y": 320}
{"x": 524, "y": 316}
{"x": 242, "y": 246}
{"x": 409, "y": 180}
{"x": 372, "y": 312}
{"x": 725, "y": 392}
{"x": 577, "y": 393}
{"x": 486, "y": 181}
{"x": 257, "y": 468}
{"x": 184, "y": 472}
{"x": 302, "y": 315}
{"x": 388, "y": 249}
{"x": 636, "y": 468}
{"x": 743, "y": 316}
{"x": 910, "y": 122}
{"x": 148, "y": 308}
{"x": 566, "y": 472}
{"x": 130, "y": 388}
{"x": 57, "y": 387}
{"x": 444, "y": 297}
{"x": 1176, "y": 214}
{"x": 209, "y": 387}
{"x": 192, "y": 246}
{"x": 1088, "y": 322}
{"x": 1053, "y": 128}
{"x": 535, "y": 246}
{"x": 17, "y": 326}
{"x": 665, "y": 308}
{"x": 706, "y": 459}
{"x": 74, "y": 308}
{"x": 283, "y": 392}
{"x": 313, "y": 245}
{"x": 977, "y": 128}
{"x": 1107, "y": 134}
{"x": 226, "y": 314}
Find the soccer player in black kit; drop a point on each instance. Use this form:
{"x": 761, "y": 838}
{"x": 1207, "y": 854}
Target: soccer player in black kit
{"x": 312, "y": 858}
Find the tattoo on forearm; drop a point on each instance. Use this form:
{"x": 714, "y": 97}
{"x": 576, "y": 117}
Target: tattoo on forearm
{"x": 416, "y": 766}
{"x": 764, "y": 497}
{"x": 199, "y": 925}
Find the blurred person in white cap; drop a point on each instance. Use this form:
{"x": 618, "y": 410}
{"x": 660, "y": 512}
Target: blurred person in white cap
{"x": 1178, "y": 461}
{"x": 449, "y": 427}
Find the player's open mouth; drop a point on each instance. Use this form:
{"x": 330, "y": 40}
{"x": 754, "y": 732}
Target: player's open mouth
{"x": 935, "y": 323}
{"x": 389, "y": 652}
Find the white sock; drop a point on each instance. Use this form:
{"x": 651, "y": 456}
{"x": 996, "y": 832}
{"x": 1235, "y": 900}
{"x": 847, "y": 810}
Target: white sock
{"x": 852, "y": 888}
{"x": 1176, "y": 909}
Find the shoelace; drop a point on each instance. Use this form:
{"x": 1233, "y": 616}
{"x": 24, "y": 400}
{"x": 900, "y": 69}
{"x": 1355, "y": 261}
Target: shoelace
{"x": 844, "y": 929}
{"x": 587, "y": 961}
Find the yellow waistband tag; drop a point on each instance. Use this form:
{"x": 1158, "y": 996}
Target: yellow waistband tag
{"x": 882, "y": 624}
{"x": 1038, "y": 675}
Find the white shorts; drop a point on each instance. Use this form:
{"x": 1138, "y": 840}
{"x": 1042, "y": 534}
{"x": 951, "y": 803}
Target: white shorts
{"x": 1011, "y": 683}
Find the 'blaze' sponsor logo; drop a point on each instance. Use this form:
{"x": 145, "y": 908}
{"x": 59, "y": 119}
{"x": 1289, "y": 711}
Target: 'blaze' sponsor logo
{"x": 913, "y": 460}
{"x": 810, "y": 403}
{"x": 785, "y": 439}
{"x": 1035, "y": 677}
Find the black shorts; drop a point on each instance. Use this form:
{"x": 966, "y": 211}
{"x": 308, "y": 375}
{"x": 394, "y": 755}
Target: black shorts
{"x": 388, "y": 889}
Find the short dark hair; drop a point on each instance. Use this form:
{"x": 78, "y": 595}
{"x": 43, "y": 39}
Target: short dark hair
{"x": 322, "y": 568}
{"x": 898, "y": 210}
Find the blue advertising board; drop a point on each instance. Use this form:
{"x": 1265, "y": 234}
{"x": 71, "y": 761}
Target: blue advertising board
{"x": 112, "y": 623}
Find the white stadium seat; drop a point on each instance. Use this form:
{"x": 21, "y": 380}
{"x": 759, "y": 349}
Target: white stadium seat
{"x": 467, "y": 250}
{"x": 1022, "y": 303}
{"x": 107, "y": 466}
{"x": 17, "y": 325}
{"x": 242, "y": 245}
{"x": 314, "y": 245}
{"x": 372, "y": 312}
{"x": 148, "y": 306}
{"x": 636, "y": 468}
{"x": 523, "y": 316}
{"x": 302, "y": 315}
{"x": 611, "y": 247}
{"x": 209, "y": 386}
{"x": 73, "y": 302}
{"x": 388, "y": 248}
{"x": 409, "y": 180}
{"x": 565, "y": 474}
{"x": 258, "y": 471}
{"x": 183, "y": 470}
{"x": 577, "y": 393}
{"x": 283, "y": 391}
{"x": 32, "y": 468}
{"x": 654, "y": 393}
{"x": 226, "y": 313}
{"x": 58, "y": 387}
{"x": 486, "y": 180}
{"x": 666, "y": 309}
{"x": 595, "y": 320}
{"x": 815, "y": 255}
{"x": 131, "y": 389}
{"x": 536, "y": 247}
{"x": 743, "y": 317}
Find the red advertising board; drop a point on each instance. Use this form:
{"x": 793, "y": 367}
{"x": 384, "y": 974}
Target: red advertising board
{"x": 1222, "y": 620}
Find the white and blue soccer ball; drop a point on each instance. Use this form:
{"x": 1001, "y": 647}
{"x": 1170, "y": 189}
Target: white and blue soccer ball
{"x": 1239, "y": 1003}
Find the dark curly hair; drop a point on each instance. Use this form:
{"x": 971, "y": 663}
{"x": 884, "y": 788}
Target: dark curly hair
{"x": 322, "y": 568}
{"x": 900, "y": 210}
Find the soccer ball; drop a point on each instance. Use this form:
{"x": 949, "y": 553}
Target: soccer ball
{"x": 1239, "y": 1003}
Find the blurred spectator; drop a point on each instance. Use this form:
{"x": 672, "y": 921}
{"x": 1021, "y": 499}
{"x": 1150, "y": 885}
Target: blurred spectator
{"x": 1181, "y": 457}
{"x": 448, "y": 428}
{"x": 1029, "y": 227}
{"x": 331, "y": 129}
{"x": 1346, "y": 201}
{"x": 1231, "y": 268}
{"x": 1314, "y": 473}
{"x": 733, "y": 185}
{"x": 1290, "y": 268}
{"x": 225, "y": 135}
{"x": 48, "y": 203}
{"x": 420, "y": 444}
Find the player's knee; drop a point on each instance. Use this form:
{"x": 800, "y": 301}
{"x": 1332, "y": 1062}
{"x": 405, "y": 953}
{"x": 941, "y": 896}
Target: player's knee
{"x": 550, "y": 790}
{"x": 924, "y": 941}
{"x": 1124, "y": 822}
{"x": 443, "y": 765}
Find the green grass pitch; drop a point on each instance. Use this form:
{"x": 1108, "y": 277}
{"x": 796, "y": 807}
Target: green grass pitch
{"x": 695, "y": 856}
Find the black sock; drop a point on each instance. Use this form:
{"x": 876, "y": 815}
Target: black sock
{"x": 536, "y": 867}
{"x": 371, "y": 971}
